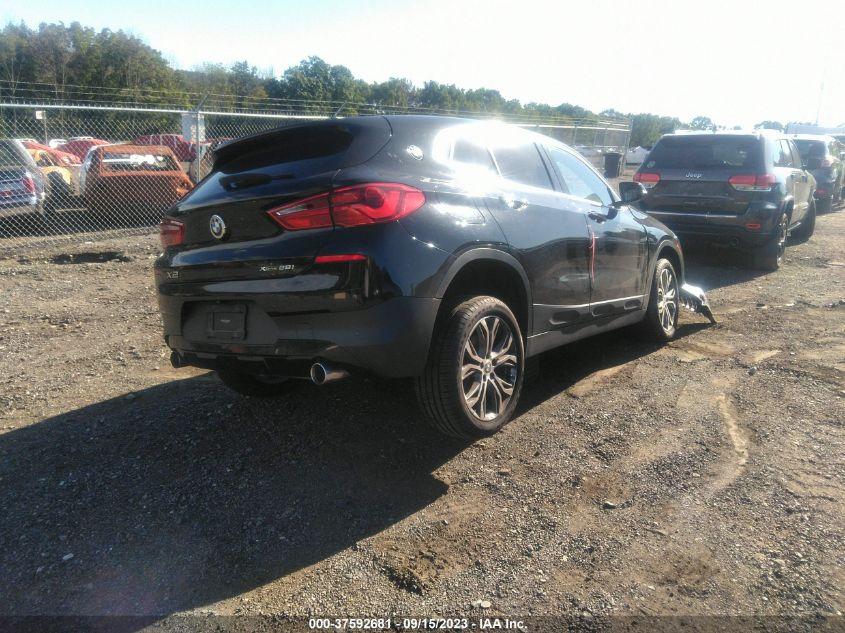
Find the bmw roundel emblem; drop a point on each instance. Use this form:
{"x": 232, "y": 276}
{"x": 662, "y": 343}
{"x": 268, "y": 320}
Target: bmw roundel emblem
{"x": 217, "y": 226}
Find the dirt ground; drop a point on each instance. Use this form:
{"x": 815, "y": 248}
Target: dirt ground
{"x": 704, "y": 477}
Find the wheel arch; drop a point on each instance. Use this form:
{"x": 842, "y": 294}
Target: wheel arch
{"x": 670, "y": 249}
{"x": 493, "y": 272}
{"x": 672, "y": 252}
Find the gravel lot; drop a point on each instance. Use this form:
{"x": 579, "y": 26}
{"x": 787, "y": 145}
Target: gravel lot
{"x": 705, "y": 477}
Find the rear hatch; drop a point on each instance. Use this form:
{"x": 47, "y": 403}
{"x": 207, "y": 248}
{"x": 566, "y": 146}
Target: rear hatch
{"x": 256, "y": 174}
{"x": 692, "y": 174}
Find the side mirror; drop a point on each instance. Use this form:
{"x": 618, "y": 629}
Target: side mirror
{"x": 631, "y": 192}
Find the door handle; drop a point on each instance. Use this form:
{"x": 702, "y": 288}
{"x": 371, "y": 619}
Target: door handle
{"x": 517, "y": 204}
{"x": 598, "y": 217}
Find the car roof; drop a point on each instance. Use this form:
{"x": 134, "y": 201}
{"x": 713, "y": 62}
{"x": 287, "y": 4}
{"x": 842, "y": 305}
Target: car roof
{"x": 822, "y": 138}
{"x": 705, "y": 133}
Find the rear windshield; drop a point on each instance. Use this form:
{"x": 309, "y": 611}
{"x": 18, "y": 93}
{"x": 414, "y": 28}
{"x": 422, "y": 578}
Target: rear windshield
{"x": 278, "y": 161}
{"x": 710, "y": 152}
{"x": 811, "y": 149}
{"x": 128, "y": 162}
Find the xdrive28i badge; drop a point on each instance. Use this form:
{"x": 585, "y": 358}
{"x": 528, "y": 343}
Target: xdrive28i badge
{"x": 217, "y": 226}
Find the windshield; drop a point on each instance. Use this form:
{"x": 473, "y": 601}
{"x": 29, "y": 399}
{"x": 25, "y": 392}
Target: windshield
{"x": 137, "y": 162}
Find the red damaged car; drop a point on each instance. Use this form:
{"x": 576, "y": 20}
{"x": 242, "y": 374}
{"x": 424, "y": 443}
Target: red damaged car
{"x": 144, "y": 178}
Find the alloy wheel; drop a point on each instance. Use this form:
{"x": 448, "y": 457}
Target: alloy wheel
{"x": 489, "y": 368}
{"x": 667, "y": 299}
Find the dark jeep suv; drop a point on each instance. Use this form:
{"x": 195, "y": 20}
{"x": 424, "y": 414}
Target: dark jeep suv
{"x": 822, "y": 156}
{"x": 743, "y": 190}
{"x": 441, "y": 249}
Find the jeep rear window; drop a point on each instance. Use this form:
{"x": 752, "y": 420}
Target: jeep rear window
{"x": 711, "y": 152}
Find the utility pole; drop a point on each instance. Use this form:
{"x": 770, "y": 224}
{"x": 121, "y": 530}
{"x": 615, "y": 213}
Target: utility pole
{"x": 821, "y": 90}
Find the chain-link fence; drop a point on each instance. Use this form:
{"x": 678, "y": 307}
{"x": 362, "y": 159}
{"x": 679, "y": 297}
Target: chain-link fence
{"x": 83, "y": 172}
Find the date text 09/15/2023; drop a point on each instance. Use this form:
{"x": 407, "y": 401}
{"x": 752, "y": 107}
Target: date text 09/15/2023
{"x": 411, "y": 624}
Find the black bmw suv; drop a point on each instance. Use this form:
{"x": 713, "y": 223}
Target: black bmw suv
{"x": 743, "y": 190}
{"x": 441, "y": 249}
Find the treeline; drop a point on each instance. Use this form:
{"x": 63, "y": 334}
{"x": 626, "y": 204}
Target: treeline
{"x": 77, "y": 62}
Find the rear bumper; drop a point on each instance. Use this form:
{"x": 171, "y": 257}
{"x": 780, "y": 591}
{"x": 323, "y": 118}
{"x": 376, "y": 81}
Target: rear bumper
{"x": 390, "y": 338}
{"x": 719, "y": 228}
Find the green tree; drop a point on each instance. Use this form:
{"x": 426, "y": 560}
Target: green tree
{"x": 702, "y": 123}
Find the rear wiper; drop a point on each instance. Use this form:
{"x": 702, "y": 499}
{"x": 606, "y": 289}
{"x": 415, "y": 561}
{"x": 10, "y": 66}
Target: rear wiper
{"x": 245, "y": 181}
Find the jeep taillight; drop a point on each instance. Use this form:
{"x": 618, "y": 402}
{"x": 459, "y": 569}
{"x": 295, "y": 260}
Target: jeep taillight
{"x": 171, "y": 232}
{"x": 752, "y": 182}
{"x": 647, "y": 179}
{"x": 350, "y": 206}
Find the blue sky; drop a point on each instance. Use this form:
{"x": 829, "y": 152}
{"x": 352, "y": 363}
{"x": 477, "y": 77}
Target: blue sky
{"x": 737, "y": 62}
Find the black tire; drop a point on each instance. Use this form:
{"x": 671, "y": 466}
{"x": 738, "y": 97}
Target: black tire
{"x": 664, "y": 303}
{"x": 256, "y": 386}
{"x": 808, "y": 224}
{"x": 448, "y": 383}
{"x": 770, "y": 255}
{"x": 825, "y": 205}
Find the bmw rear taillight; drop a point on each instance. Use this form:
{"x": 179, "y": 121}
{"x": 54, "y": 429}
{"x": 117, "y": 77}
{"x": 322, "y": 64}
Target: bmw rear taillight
{"x": 752, "y": 182}
{"x": 171, "y": 232}
{"x": 28, "y": 183}
{"x": 647, "y": 179}
{"x": 309, "y": 213}
{"x": 350, "y": 206}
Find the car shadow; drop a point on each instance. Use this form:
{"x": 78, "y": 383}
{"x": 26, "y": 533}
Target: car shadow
{"x": 564, "y": 367}
{"x": 185, "y": 494}
{"x": 710, "y": 269}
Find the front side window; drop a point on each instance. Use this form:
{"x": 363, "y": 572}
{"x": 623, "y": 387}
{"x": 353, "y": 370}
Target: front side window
{"x": 578, "y": 179}
{"x": 521, "y": 163}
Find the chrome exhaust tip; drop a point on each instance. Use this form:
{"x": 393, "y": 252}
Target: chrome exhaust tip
{"x": 322, "y": 374}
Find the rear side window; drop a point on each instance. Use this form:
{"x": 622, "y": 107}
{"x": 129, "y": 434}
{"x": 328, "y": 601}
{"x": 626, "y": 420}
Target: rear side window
{"x": 705, "y": 152}
{"x": 578, "y": 178}
{"x": 781, "y": 154}
{"x": 522, "y": 163}
{"x": 466, "y": 152}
